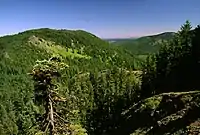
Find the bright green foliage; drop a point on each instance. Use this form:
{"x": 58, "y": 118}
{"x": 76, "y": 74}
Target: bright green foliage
{"x": 91, "y": 99}
{"x": 16, "y": 86}
{"x": 93, "y": 82}
{"x": 47, "y": 95}
{"x": 81, "y": 42}
{"x": 152, "y": 102}
{"x": 82, "y": 51}
{"x": 54, "y": 49}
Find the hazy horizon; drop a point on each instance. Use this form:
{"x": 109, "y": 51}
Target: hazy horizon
{"x": 105, "y": 18}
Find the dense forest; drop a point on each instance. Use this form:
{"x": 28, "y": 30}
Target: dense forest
{"x": 63, "y": 82}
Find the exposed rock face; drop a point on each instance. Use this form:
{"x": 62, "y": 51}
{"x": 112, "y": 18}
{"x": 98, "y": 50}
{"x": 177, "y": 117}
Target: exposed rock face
{"x": 164, "y": 114}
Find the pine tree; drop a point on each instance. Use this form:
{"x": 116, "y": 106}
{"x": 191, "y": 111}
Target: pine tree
{"x": 196, "y": 57}
{"x": 172, "y": 63}
{"x": 45, "y": 74}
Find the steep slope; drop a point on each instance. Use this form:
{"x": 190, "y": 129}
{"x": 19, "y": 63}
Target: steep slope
{"x": 167, "y": 113}
{"x": 36, "y": 44}
{"x": 82, "y": 51}
{"x": 145, "y": 45}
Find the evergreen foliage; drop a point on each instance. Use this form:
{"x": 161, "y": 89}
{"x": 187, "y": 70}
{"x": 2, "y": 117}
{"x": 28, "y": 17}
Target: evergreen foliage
{"x": 19, "y": 53}
{"x": 72, "y": 82}
{"x": 174, "y": 67}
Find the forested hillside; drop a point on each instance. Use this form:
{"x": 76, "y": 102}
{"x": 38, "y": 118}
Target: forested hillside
{"x": 71, "y": 82}
{"x": 80, "y": 50}
{"x": 145, "y": 45}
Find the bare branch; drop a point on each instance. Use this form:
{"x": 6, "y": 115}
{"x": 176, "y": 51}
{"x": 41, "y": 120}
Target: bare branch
{"x": 61, "y": 117}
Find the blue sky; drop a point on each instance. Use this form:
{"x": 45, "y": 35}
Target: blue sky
{"x": 104, "y": 18}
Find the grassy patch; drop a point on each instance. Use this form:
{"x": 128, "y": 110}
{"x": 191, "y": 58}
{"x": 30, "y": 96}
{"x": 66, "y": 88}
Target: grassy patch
{"x": 56, "y": 49}
{"x": 152, "y": 103}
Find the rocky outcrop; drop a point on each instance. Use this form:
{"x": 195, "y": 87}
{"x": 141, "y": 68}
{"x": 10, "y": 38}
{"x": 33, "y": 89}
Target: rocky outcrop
{"x": 164, "y": 114}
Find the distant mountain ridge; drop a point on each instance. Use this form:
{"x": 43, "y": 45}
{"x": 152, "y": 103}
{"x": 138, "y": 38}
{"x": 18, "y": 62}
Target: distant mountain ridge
{"x": 111, "y": 40}
{"x": 162, "y": 35}
{"x": 145, "y": 44}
